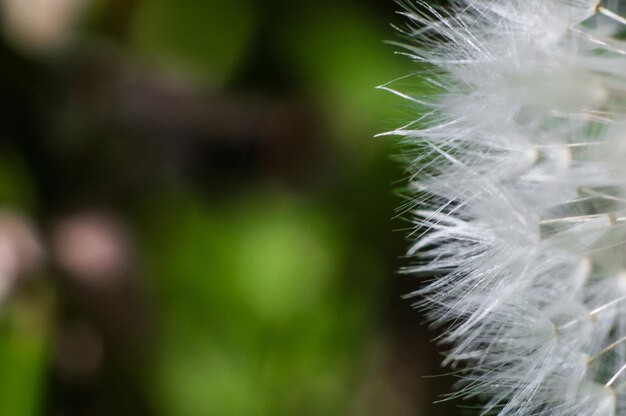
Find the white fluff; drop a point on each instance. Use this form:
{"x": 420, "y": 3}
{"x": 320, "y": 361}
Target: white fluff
{"x": 518, "y": 174}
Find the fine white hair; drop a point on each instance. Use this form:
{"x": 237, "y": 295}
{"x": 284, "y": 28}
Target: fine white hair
{"x": 517, "y": 180}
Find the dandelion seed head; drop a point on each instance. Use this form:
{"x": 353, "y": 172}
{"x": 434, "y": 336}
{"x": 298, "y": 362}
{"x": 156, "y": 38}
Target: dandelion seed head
{"x": 521, "y": 199}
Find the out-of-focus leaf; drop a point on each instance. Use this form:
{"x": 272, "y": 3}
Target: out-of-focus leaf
{"x": 271, "y": 254}
{"x": 254, "y": 322}
{"x": 340, "y": 54}
{"x": 284, "y": 258}
{"x": 198, "y": 379}
{"x": 16, "y": 189}
{"x": 204, "y": 39}
{"x": 24, "y": 341}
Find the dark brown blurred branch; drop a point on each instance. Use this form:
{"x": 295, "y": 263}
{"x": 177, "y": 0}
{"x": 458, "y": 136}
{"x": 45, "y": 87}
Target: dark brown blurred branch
{"x": 281, "y": 136}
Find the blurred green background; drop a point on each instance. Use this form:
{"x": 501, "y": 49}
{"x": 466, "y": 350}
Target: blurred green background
{"x": 195, "y": 218}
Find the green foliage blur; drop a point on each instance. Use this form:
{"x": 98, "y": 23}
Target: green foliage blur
{"x": 211, "y": 215}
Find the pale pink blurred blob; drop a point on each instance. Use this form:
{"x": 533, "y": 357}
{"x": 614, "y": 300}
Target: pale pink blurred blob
{"x": 41, "y": 25}
{"x": 92, "y": 247}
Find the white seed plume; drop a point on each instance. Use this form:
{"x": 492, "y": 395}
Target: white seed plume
{"x": 518, "y": 181}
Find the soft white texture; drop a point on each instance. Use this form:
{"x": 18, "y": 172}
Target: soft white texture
{"x": 518, "y": 179}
